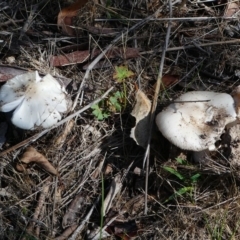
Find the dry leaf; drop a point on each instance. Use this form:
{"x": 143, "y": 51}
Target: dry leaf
{"x": 125, "y": 230}
{"x": 231, "y": 9}
{"x": 33, "y": 156}
{"x": 116, "y": 53}
{"x": 70, "y": 58}
{"x": 141, "y": 112}
{"x": 65, "y": 16}
{"x": 7, "y": 73}
{"x": 83, "y": 56}
{"x": 168, "y": 80}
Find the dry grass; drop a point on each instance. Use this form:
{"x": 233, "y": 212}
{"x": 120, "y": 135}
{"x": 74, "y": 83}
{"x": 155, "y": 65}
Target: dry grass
{"x": 207, "y": 208}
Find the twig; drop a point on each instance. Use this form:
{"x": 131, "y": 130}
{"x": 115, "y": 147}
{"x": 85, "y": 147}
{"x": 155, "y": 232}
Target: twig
{"x": 67, "y": 232}
{"x": 38, "y": 135}
{"x": 115, "y": 187}
{"x": 98, "y": 232}
{"x": 31, "y": 16}
{"x": 183, "y": 19}
{"x": 154, "y": 104}
{"x": 11, "y": 21}
{"x": 100, "y": 56}
{"x": 54, "y": 219}
{"x": 38, "y": 209}
{"x": 192, "y": 46}
{"x": 81, "y": 226}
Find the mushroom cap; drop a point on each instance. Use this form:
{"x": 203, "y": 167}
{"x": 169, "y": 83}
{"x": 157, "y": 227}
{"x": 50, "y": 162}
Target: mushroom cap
{"x": 36, "y": 101}
{"x": 198, "y": 124}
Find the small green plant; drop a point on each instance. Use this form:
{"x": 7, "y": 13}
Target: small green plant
{"x": 98, "y": 112}
{"x": 115, "y": 102}
{"x": 120, "y": 75}
{"x": 188, "y": 182}
{"x": 103, "y": 109}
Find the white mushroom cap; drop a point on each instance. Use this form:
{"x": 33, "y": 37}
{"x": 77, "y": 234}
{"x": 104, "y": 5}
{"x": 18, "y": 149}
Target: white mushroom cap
{"x": 196, "y": 125}
{"x": 37, "y": 101}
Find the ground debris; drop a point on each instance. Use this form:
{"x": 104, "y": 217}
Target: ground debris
{"x": 186, "y": 200}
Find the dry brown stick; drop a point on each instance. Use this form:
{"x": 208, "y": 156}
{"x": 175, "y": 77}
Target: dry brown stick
{"x": 177, "y": 19}
{"x": 11, "y": 21}
{"x": 54, "y": 219}
{"x": 38, "y": 209}
{"x": 154, "y": 103}
{"x": 67, "y": 232}
{"x": 192, "y": 46}
{"x": 38, "y": 135}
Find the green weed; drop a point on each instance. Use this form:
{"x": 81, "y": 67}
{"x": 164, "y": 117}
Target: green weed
{"x": 186, "y": 181}
{"x": 103, "y": 109}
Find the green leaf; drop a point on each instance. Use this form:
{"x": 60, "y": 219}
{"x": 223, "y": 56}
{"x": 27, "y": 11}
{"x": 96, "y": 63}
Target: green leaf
{"x": 180, "y": 192}
{"x": 181, "y": 161}
{"x": 173, "y": 171}
{"x": 195, "y": 177}
{"x": 118, "y": 94}
{"x": 98, "y": 113}
{"x": 121, "y": 73}
{"x": 115, "y": 101}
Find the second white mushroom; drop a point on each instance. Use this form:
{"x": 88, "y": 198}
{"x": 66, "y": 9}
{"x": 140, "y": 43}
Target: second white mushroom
{"x": 197, "y": 119}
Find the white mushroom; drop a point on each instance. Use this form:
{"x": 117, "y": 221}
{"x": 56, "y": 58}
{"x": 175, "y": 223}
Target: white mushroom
{"x": 35, "y": 101}
{"x": 197, "y": 119}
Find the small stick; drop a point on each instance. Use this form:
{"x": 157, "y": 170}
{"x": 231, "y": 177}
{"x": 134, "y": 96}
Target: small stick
{"x": 190, "y": 101}
{"x": 38, "y": 209}
{"x": 28, "y": 23}
{"x": 183, "y": 19}
{"x": 81, "y": 226}
{"x": 193, "y": 46}
{"x": 154, "y": 105}
{"x": 10, "y": 22}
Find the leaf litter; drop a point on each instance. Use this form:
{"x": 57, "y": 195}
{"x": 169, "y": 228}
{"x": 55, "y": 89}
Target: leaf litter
{"x": 201, "y": 55}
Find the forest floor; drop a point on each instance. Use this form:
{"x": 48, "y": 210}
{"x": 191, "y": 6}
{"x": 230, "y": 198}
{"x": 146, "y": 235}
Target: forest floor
{"x": 115, "y": 48}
